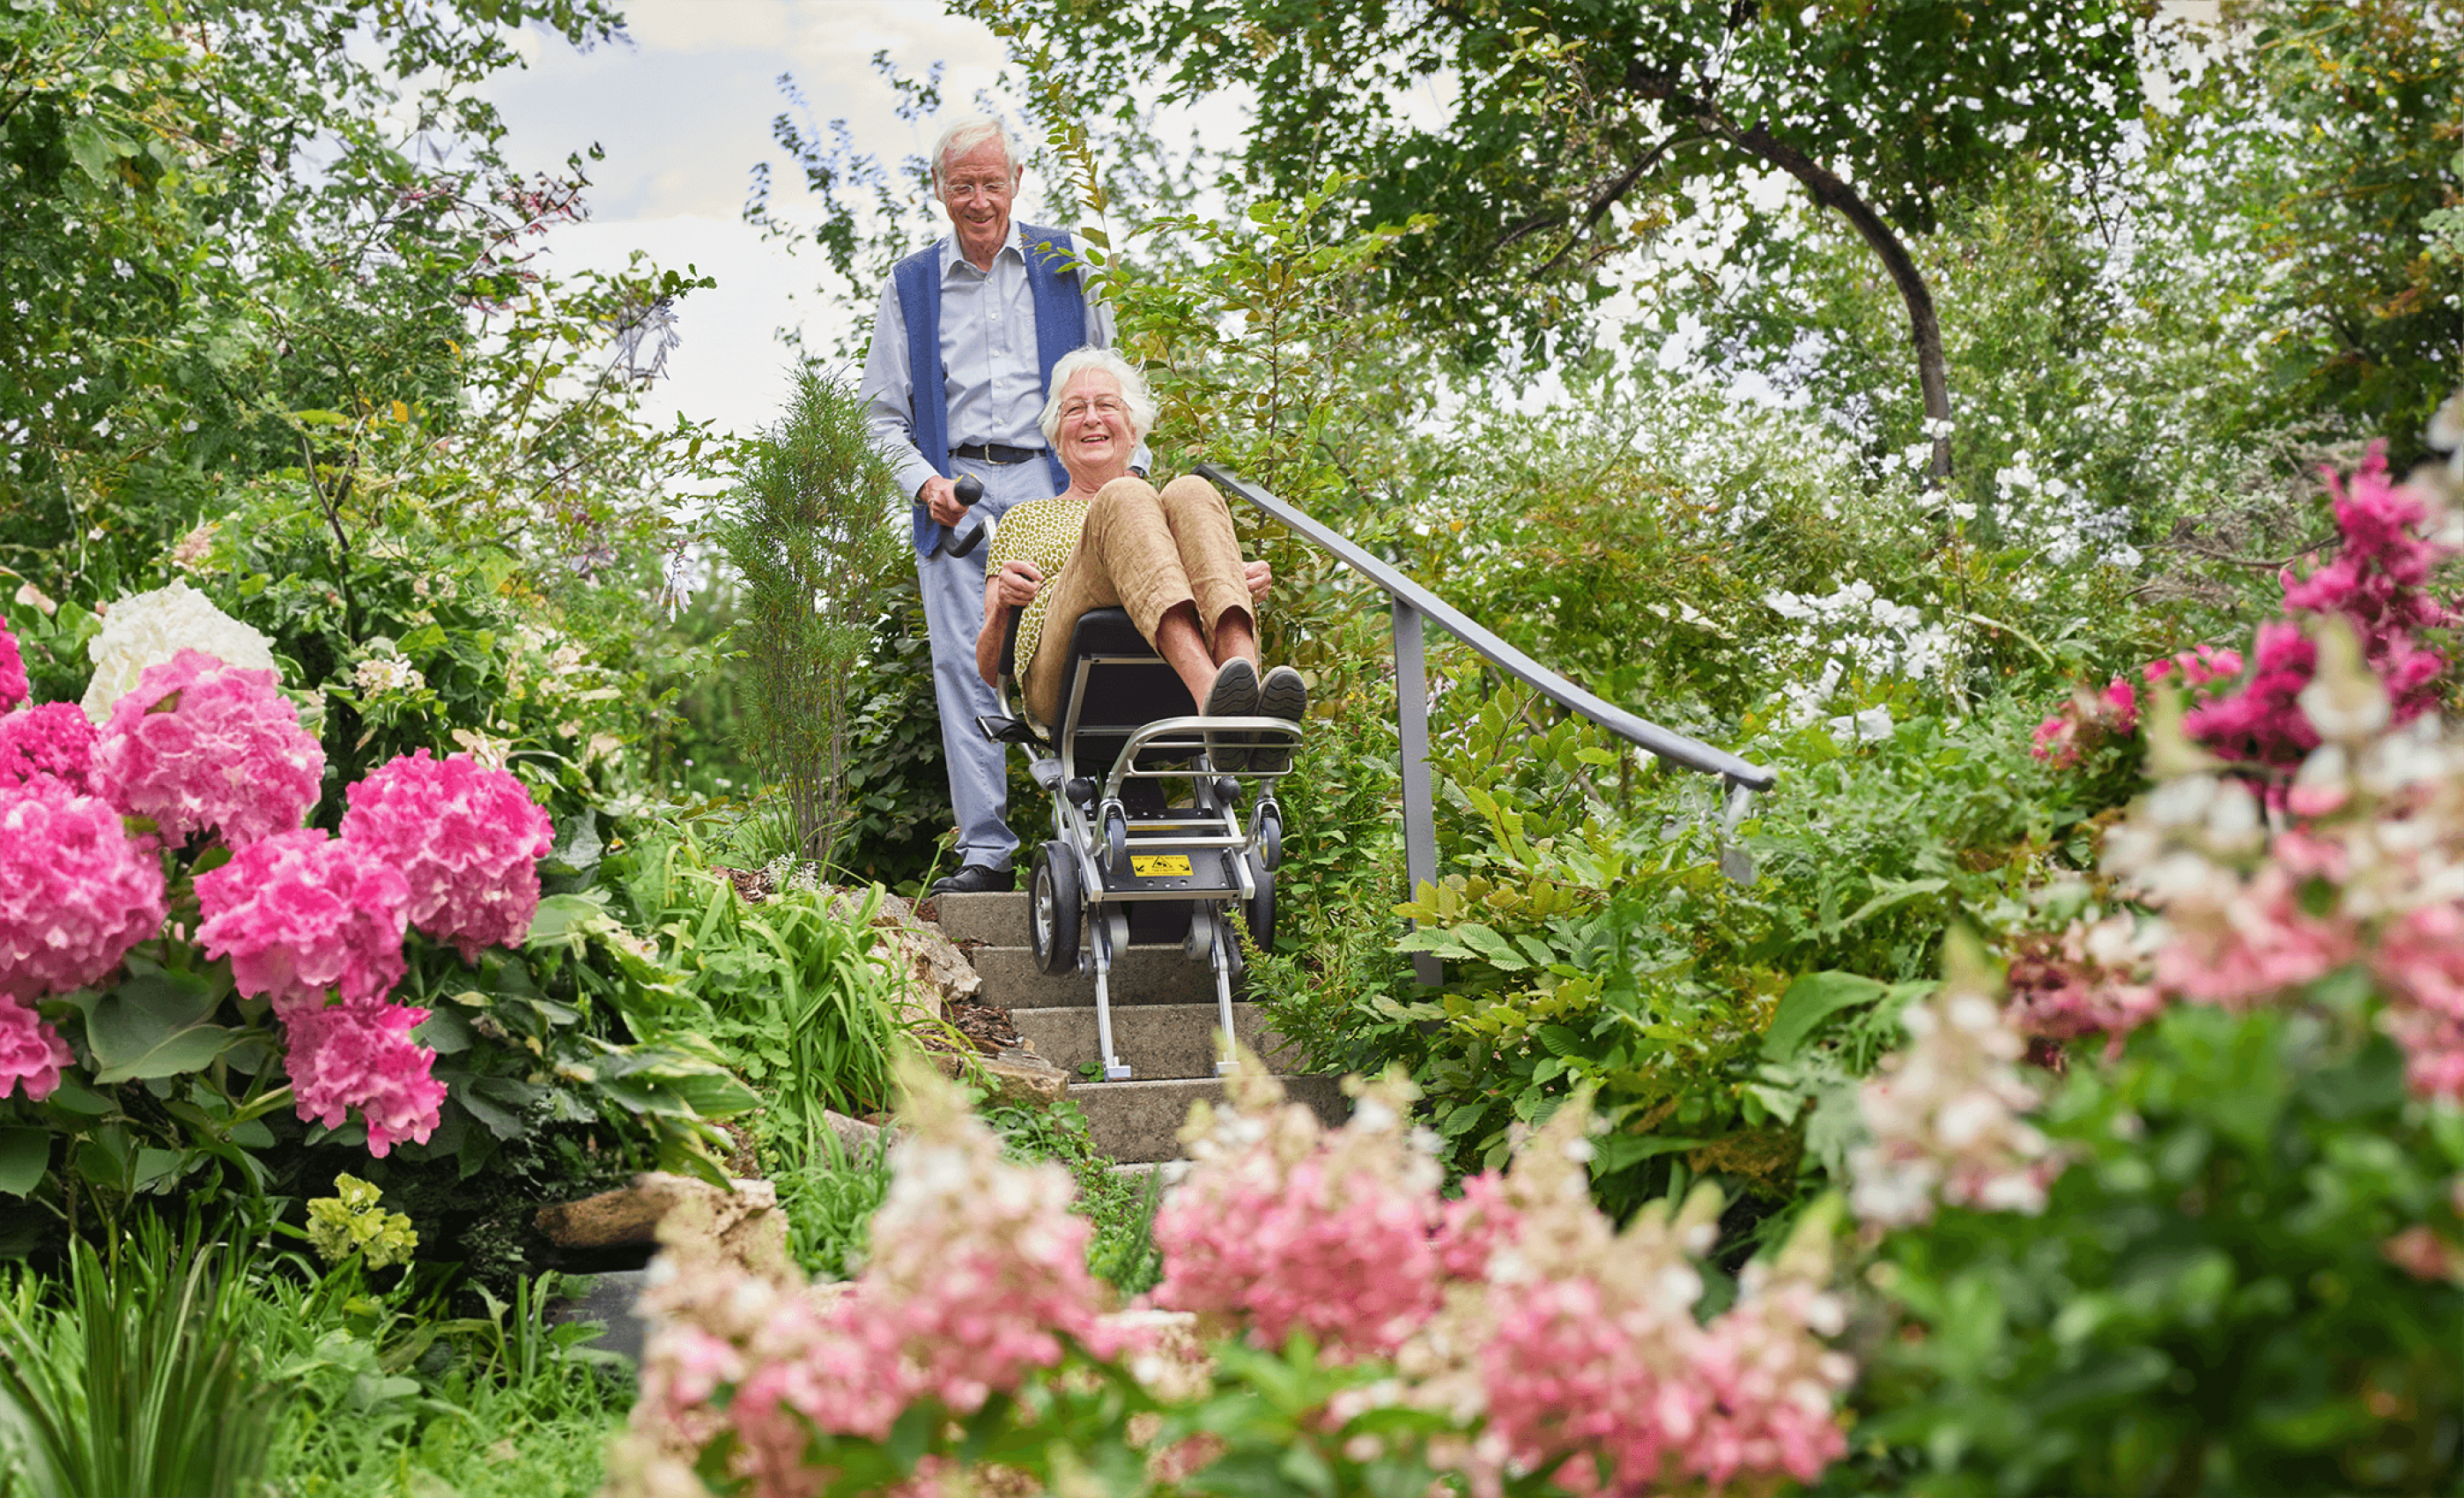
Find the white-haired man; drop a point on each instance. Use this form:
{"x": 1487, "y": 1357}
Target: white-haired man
{"x": 969, "y": 330}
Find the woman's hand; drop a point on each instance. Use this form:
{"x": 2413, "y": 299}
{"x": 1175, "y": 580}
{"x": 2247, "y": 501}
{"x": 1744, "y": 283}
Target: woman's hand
{"x": 1258, "y": 575}
{"x": 1019, "y": 581}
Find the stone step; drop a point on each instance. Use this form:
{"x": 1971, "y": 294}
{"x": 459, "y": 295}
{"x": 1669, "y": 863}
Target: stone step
{"x": 1140, "y": 976}
{"x": 995, "y": 920}
{"x": 1155, "y": 1039}
{"x": 1136, "y": 1122}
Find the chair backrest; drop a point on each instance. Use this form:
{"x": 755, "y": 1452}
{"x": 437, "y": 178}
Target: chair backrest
{"x": 1126, "y": 686}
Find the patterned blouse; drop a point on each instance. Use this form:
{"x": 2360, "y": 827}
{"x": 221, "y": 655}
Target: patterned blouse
{"x": 1046, "y": 533}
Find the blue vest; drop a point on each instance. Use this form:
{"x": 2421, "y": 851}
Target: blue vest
{"x": 1059, "y": 326}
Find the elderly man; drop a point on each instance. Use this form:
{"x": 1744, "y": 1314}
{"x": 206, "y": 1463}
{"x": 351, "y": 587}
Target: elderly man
{"x": 962, "y": 351}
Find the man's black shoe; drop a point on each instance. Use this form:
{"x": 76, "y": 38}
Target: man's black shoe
{"x": 975, "y": 879}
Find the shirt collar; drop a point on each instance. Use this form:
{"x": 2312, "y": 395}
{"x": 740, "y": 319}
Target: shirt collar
{"x": 1014, "y": 248}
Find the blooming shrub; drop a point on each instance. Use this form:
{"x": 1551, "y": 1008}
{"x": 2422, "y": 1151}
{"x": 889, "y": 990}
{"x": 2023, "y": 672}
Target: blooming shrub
{"x": 53, "y": 739}
{"x": 467, "y": 839}
{"x": 200, "y": 745}
{"x": 1514, "y": 1332}
{"x": 2366, "y": 867}
{"x": 152, "y": 628}
{"x": 977, "y": 1272}
{"x": 75, "y": 892}
{"x": 312, "y": 922}
{"x": 1280, "y": 1231}
{"x": 2391, "y": 537}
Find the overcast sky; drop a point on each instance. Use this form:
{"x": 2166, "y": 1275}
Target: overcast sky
{"x": 683, "y": 114}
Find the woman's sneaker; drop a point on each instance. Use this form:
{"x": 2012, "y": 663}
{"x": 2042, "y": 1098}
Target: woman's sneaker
{"x": 1282, "y": 694}
{"x": 1234, "y": 694}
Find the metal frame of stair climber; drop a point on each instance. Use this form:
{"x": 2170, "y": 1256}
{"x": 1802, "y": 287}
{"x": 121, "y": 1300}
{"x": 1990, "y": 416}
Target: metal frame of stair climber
{"x": 1414, "y": 605}
{"x": 1128, "y": 731}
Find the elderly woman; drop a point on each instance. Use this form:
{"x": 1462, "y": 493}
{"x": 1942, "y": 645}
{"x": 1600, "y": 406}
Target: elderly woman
{"x": 1111, "y": 539}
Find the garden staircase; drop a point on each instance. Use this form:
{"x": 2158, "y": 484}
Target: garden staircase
{"x": 1163, "y": 1024}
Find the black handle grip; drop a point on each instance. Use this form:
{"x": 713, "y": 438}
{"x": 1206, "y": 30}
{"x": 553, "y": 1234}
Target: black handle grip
{"x": 969, "y": 490}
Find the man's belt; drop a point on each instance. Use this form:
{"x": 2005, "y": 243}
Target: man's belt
{"x": 995, "y": 452}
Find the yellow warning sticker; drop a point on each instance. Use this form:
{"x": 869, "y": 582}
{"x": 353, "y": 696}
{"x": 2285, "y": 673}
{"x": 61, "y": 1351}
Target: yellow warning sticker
{"x": 1151, "y": 865}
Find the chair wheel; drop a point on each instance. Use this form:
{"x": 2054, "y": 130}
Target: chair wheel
{"x": 1116, "y": 844}
{"x": 1055, "y": 911}
{"x": 1270, "y": 837}
{"x": 1258, "y": 911}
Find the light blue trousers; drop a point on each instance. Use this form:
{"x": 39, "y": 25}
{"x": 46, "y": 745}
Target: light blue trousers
{"x": 954, "y": 608}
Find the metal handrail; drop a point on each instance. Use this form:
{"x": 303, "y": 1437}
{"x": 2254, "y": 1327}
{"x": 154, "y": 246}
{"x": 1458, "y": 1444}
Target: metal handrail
{"x": 1412, "y": 604}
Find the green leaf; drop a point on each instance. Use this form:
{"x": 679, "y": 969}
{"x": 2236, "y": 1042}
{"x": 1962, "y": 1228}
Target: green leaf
{"x": 24, "y": 1155}
{"x": 98, "y": 151}
{"x": 1896, "y": 895}
{"x": 1808, "y": 1001}
{"x": 1491, "y": 946}
{"x": 155, "y": 1026}
{"x": 563, "y": 921}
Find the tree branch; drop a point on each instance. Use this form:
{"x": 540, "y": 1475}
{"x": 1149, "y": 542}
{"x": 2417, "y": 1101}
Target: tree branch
{"x": 1925, "y": 327}
{"x": 1608, "y": 198}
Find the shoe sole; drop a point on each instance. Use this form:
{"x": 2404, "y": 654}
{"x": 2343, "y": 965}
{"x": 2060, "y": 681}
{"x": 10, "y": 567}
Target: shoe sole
{"x": 1234, "y": 694}
{"x": 1282, "y": 694}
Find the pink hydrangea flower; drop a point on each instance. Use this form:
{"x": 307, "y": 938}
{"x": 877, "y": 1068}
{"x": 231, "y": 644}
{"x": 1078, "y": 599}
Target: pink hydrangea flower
{"x": 53, "y": 739}
{"x": 1774, "y": 1389}
{"x": 300, "y": 913}
{"x": 30, "y": 1053}
{"x": 358, "y": 1054}
{"x": 2092, "y": 980}
{"x": 75, "y": 892}
{"x": 1288, "y": 1228}
{"x": 12, "y": 670}
{"x": 200, "y": 745}
{"x": 467, "y": 839}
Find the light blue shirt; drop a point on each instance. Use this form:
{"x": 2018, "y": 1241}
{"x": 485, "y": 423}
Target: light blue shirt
{"x": 988, "y": 355}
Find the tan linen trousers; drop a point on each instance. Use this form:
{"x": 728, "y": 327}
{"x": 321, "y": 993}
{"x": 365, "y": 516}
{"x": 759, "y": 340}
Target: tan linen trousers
{"x": 1143, "y": 551}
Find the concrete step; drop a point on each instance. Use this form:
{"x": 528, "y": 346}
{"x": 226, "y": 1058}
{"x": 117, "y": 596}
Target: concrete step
{"x": 1158, "y": 1040}
{"x": 1136, "y": 1122}
{"x": 995, "y": 920}
{"x": 1140, "y": 976}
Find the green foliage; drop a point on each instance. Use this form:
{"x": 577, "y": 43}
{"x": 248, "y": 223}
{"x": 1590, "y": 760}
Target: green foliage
{"x": 1571, "y": 135}
{"x": 143, "y": 1377}
{"x": 792, "y": 990}
{"x": 808, "y": 537}
{"x": 353, "y": 1222}
{"x": 2339, "y": 127}
{"x": 829, "y": 1196}
{"x": 1122, "y": 1208}
{"x": 898, "y": 785}
{"x": 2205, "y": 1306}
{"x": 204, "y": 296}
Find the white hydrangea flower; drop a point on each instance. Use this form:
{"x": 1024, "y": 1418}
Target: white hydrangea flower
{"x": 381, "y": 674}
{"x": 150, "y": 629}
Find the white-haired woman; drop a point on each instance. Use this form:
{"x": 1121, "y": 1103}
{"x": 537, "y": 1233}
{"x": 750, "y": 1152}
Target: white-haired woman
{"x": 1168, "y": 557}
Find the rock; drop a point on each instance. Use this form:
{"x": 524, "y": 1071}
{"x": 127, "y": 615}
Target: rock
{"x": 605, "y": 1221}
{"x": 631, "y": 1215}
{"x": 938, "y": 973}
{"x": 1017, "y": 1073}
{"x": 741, "y": 1228}
{"x": 858, "y": 1138}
